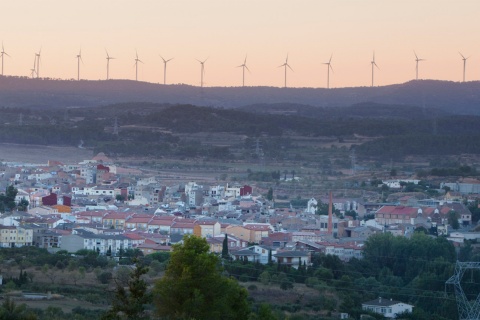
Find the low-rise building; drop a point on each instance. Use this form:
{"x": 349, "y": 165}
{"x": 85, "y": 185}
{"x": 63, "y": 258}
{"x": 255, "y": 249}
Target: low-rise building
{"x": 388, "y": 308}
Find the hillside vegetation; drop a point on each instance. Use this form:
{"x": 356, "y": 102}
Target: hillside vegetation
{"x": 147, "y": 129}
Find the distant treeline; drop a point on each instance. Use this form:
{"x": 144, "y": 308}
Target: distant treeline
{"x": 150, "y": 130}
{"x": 420, "y": 144}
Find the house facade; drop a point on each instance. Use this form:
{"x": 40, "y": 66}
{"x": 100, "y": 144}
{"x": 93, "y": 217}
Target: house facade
{"x": 388, "y": 308}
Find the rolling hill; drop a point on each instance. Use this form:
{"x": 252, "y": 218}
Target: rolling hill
{"x": 452, "y": 97}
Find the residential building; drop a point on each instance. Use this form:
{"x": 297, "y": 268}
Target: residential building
{"x": 255, "y": 254}
{"x": 293, "y": 258}
{"x": 388, "y": 308}
{"x": 11, "y": 236}
{"x": 206, "y": 229}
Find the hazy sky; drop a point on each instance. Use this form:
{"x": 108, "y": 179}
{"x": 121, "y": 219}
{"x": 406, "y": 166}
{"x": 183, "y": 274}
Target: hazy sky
{"x": 226, "y": 30}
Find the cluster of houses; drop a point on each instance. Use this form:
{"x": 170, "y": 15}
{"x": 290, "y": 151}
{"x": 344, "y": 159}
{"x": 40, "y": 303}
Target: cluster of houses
{"x": 97, "y": 205}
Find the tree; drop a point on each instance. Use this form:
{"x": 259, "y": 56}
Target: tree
{"x": 453, "y": 220}
{"x": 194, "y": 288}
{"x": 7, "y": 199}
{"x": 10, "y": 311}
{"x": 225, "y": 254}
{"x": 131, "y": 302}
{"x": 23, "y": 205}
{"x": 270, "y": 194}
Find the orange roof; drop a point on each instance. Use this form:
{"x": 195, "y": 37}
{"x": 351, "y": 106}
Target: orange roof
{"x": 62, "y": 208}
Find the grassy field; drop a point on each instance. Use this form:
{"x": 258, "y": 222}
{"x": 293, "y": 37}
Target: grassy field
{"x": 41, "y": 154}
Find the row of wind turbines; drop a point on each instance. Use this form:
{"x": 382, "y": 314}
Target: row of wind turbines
{"x": 35, "y": 71}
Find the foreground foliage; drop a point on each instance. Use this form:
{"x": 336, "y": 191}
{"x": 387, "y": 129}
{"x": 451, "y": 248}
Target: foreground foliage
{"x": 194, "y": 288}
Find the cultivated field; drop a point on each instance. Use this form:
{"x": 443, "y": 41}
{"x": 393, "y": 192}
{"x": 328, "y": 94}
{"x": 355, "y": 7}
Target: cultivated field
{"x": 41, "y": 154}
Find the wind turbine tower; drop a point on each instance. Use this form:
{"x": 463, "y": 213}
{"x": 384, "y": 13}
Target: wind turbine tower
{"x": 464, "y": 65}
{"x": 329, "y": 66}
{"x": 285, "y": 65}
{"x": 37, "y": 56}
{"x": 373, "y": 66}
{"x": 165, "y": 69}
{"x": 79, "y": 58}
{"x": 136, "y": 65}
{"x": 3, "y": 53}
{"x": 202, "y": 71}
{"x": 32, "y": 71}
{"x": 108, "y": 64}
{"x": 243, "y": 66}
{"x": 417, "y": 60}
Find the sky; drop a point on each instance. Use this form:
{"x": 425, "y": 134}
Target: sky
{"x": 226, "y": 31}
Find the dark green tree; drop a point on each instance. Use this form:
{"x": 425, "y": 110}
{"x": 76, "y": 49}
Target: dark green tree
{"x": 130, "y": 303}
{"x": 270, "y": 194}
{"x": 7, "y": 199}
{"x": 11, "y": 311}
{"x": 453, "y": 220}
{"x": 194, "y": 288}
{"x": 225, "y": 254}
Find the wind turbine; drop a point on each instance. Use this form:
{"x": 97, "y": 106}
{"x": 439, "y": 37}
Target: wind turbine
{"x": 37, "y": 56}
{"x": 416, "y": 67}
{"x": 108, "y": 63}
{"x": 373, "y": 66}
{"x": 165, "y": 69}
{"x": 464, "y": 65}
{"x": 202, "y": 71}
{"x": 136, "y": 65}
{"x": 244, "y": 66}
{"x": 32, "y": 71}
{"x": 329, "y": 66}
{"x": 79, "y": 58}
{"x": 285, "y": 65}
{"x": 3, "y": 53}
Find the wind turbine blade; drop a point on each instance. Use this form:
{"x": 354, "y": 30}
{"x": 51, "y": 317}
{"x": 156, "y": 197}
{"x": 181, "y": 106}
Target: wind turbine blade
{"x": 416, "y": 57}
{"x": 330, "y": 59}
{"x": 170, "y": 59}
{"x": 290, "y": 67}
{"x": 247, "y": 68}
{"x": 331, "y": 68}
{"x": 461, "y": 55}
{"x": 245, "y": 61}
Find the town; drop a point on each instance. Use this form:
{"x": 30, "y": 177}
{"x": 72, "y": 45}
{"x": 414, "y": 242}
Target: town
{"x": 99, "y": 206}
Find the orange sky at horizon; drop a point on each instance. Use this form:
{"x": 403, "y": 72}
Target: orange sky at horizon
{"x": 309, "y": 31}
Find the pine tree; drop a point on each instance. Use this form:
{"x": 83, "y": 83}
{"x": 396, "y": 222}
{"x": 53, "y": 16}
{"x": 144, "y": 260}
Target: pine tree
{"x": 131, "y": 303}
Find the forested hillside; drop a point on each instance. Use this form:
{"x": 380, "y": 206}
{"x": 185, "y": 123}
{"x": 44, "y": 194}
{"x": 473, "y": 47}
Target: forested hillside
{"x": 159, "y": 129}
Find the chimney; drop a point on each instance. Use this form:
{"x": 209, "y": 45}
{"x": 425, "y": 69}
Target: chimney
{"x": 330, "y": 224}
{"x": 379, "y": 299}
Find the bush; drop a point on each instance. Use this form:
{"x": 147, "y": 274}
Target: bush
{"x": 311, "y": 282}
{"x": 243, "y": 278}
{"x": 286, "y": 284}
{"x": 252, "y": 287}
{"x": 105, "y": 277}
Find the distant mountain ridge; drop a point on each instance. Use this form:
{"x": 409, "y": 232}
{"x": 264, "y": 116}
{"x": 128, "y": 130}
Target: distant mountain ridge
{"x": 452, "y": 97}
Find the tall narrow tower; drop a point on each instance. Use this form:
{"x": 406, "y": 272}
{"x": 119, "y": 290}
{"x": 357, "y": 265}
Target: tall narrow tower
{"x": 330, "y": 214}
